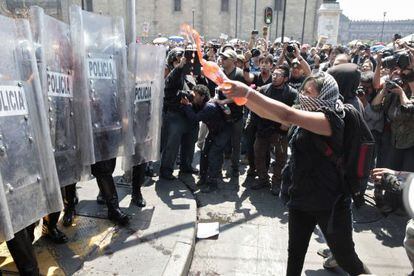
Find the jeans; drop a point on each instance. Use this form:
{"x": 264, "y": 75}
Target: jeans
{"x": 211, "y": 159}
{"x": 236, "y": 133}
{"x": 179, "y": 131}
{"x": 262, "y": 147}
{"x": 409, "y": 241}
{"x": 250, "y": 137}
{"x": 339, "y": 239}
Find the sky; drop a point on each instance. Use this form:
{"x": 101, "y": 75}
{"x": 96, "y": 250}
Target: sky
{"x": 374, "y": 9}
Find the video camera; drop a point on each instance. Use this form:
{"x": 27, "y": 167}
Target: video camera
{"x": 391, "y": 84}
{"x": 361, "y": 91}
{"x": 393, "y": 59}
{"x": 290, "y": 48}
{"x": 193, "y": 65}
{"x": 185, "y": 94}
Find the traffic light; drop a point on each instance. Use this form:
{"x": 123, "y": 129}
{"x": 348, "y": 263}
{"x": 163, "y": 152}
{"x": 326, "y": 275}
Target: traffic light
{"x": 268, "y": 15}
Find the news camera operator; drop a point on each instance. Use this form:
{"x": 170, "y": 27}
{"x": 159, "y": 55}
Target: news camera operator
{"x": 199, "y": 108}
{"x": 394, "y": 182}
{"x": 177, "y": 131}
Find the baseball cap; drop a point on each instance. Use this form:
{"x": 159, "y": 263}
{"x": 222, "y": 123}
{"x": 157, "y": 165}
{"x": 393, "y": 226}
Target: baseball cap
{"x": 241, "y": 58}
{"x": 229, "y": 54}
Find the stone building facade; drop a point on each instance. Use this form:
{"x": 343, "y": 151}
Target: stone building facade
{"x": 211, "y": 17}
{"x": 372, "y": 30}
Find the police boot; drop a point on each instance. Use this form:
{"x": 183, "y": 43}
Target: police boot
{"x": 100, "y": 198}
{"x": 70, "y": 202}
{"x": 21, "y": 249}
{"x": 50, "y": 229}
{"x": 107, "y": 186}
{"x": 138, "y": 179}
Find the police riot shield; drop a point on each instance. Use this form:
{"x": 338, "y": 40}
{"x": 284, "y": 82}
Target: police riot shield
{"x": 30, "y": 188}
{"x": 100, "y": 78}
{"x": 146, "y": 67}
{"x": 54, "y": 57}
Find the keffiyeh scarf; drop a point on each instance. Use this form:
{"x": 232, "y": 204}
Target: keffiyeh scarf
{"x": 328, "y": 97}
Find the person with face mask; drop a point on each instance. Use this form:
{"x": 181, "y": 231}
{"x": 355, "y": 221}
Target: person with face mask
{"x": 200, "y": 109}
{"x": 316, "y": 195}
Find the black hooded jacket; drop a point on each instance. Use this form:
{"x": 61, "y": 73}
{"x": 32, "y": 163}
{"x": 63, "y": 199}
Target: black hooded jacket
{"x": 348, "y": 77}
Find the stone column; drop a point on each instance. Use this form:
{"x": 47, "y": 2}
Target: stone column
{"x": 328, "y": 21}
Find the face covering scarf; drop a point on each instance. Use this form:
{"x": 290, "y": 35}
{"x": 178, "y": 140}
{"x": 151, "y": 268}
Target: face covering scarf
{"x": 328, "y": 97}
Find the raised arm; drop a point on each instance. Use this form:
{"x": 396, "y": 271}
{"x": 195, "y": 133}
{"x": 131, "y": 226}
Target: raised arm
{"x": 268, "y": 108}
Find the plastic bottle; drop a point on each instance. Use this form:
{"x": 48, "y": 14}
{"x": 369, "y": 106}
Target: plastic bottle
{"x": 212, "y": 71}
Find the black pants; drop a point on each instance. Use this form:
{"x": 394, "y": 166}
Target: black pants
{"x": 138, "y": 179}
{"x": 339, "y": 239}
{"x": 21, "y": 249}
{"x": 103, "y": 170}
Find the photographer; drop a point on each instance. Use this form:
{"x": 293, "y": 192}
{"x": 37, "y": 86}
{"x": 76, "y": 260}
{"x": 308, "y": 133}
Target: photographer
{"x": 177, "y": 129}
{"x": 375, "y": 120}
{"x": 392, "y": 181}
{"x": 362, "y": 55}
{"x": 393, "y": 101}
{"x": 219, "y": 132}
{"x": 332, "y": 54}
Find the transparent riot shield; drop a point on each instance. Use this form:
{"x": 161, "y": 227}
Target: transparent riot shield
{"x": 145, "y": 67}
{"x": 29, "y": 180}
{"x": 100, "y": 79}
{"x": 54, "y": 57}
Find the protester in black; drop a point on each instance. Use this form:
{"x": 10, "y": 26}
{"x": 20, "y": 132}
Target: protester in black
{"x": 316, "y": 195}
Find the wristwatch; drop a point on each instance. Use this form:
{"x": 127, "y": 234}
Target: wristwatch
{"x": 247, "y": 70}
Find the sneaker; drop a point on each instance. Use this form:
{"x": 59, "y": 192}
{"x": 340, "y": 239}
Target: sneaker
{"x": 324, "y": 252}
{"x": 330, "y": 263}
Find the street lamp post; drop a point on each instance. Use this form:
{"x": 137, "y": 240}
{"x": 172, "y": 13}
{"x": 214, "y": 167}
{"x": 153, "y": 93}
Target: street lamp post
{"x": 383, "y": 23}
{"x": 283, "y": 21}
{"x": 255, "y": 11}
{"x": 193, "y": 17}
{"x": 237, "y": 11}
{"x": 304, "y": 21}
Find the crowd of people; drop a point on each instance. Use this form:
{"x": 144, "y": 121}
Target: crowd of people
{"x": 298, "y": 97}
{"x": 298, "y": 116}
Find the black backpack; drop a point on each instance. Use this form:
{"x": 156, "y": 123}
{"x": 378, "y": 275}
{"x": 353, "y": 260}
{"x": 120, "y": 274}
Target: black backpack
{"x": 357, "y": 159}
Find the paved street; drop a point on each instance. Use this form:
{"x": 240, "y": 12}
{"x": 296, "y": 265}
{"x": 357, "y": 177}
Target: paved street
{"x": 253, "y": 236}
{"x": 252, "y": 240}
